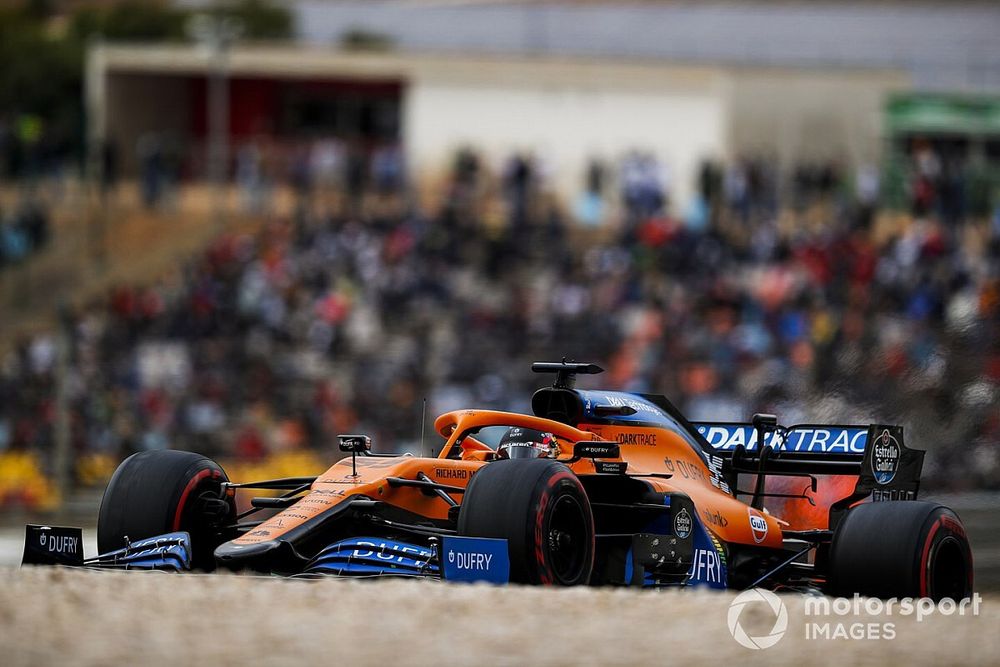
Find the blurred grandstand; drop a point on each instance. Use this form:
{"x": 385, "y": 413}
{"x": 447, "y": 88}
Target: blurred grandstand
{"x": 345, "y": 286}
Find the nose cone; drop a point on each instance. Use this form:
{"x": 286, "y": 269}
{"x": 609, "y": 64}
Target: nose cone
{"x": 236, "y": 556}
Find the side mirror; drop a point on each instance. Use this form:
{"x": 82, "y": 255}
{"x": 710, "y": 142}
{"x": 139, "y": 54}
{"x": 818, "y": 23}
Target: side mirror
{"x": 355, "y": 444}
{"x": 596, "y": 449}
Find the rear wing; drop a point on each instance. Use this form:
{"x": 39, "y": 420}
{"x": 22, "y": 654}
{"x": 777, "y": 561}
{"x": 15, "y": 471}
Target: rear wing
{"x": 801, "y": 438}
{"x": 886, "y": 469}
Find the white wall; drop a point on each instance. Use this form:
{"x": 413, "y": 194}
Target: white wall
{"x": 564, "y": 124}
{"x": 801, "y": 115}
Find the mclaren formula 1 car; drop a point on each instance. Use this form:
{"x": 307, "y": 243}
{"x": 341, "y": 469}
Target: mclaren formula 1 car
{"x": 596, "y": 487}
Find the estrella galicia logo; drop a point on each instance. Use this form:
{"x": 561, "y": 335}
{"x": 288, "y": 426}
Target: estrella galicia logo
{"x": 682, "y": 523}
{"x": 885, "y": 457}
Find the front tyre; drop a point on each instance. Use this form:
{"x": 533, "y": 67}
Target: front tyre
{"x": 163, "y": 491}
{"x": 540, "y": 507}
{"x": 901, "y": 549}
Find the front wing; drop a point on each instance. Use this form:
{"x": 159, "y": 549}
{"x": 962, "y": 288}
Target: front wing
{"x": 450, "y": 558}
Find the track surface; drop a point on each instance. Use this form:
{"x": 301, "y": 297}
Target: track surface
{"x": 54, "y": 616}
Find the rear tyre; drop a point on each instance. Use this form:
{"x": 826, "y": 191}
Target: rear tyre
{"x": 901, "y": 549}
{"x": 163, "y": 491}
{"x": 540, "y": 507}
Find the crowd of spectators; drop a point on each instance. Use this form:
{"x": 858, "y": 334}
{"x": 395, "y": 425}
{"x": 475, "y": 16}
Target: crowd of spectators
{"x": 24, "y": 230}
{"x": 28, "y": 154}
{"x": 258, "y": 165}
{"x": 31, "y": 150}
{"x": 786, "y": 293}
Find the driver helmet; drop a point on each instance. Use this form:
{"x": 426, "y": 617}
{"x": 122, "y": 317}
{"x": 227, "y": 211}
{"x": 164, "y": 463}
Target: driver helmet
{"x": 526, "y": 443}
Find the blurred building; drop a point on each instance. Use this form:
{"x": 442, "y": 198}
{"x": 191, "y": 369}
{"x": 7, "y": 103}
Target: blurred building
{"x": 565, "y": 110}
{"x": 576, "y": 81}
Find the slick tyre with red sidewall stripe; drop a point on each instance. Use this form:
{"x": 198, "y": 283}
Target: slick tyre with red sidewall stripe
{"x": 901, "y": 549}
{"x": 540, "y": 507}
{"x": 163, "y": 491}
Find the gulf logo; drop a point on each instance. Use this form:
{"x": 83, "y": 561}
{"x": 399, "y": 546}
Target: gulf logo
{"x": 758, "y": 525}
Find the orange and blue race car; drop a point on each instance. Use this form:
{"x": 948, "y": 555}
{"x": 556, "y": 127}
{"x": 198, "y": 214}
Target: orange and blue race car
{"x": 596, "y": 487}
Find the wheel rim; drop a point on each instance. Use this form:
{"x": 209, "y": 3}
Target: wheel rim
{"x": 205, "y": 517}
{"x": 567, "y": 539}
{"x": 949, "y": 576}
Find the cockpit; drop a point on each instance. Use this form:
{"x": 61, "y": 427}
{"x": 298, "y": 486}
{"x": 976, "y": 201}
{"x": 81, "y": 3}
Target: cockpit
{"x": 482, "y": 436}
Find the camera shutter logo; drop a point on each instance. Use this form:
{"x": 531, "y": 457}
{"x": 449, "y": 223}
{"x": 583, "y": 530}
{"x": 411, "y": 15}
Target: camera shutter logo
{"x": 776, "y": 606}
